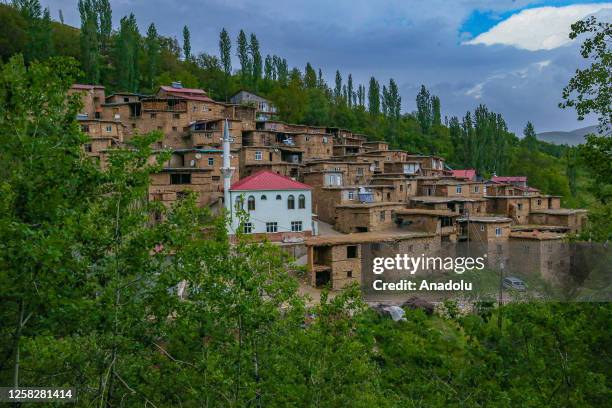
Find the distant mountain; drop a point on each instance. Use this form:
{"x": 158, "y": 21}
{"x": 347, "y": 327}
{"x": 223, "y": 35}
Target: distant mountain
{"x": 572, "y": 138}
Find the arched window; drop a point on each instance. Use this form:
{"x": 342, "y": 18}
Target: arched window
{"x": 238, "y": 203}
{"x": 302, "y": 201}
{"x": 291, "y": 202}
{"x": 278, "y": 197}
{"x": 263, "y": 197}
{"x": 251, "y": 203}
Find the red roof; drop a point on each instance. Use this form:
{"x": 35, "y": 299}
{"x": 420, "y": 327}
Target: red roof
{"x": 464, "y": 174}
{"x": 509, "y": 179}
{"x": 267, "y": 180}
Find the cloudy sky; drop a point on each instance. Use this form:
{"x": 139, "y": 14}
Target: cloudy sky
{"x": 512, "y": 55}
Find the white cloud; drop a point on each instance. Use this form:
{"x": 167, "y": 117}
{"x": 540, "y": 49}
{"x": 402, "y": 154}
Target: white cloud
{"x": 542, "y": 28}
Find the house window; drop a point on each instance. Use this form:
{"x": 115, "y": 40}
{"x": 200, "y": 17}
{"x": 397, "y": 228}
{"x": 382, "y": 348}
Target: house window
{"x": 296, "y": 226}
{"x": 351, "y": 195}
{"x": 153, "y": 115}
{"x": 351, "y": 251}
{"x": 216, "y": 178}
{"x": 360, "y": 171}
{"x": 174, "y": 129}
{"x": 278, "y": 197}
{"x": 302, "y": 201}
{"x": 325, "y": 140}
{"x": 176, "y": 115}
{"x": 519, "y": 206}
{"x": 426, "y": 247}
{"x": 498, "y": 232}
{"x": 382, "y": 215}
{"x": 180, "y": 178}
{"x": 251, "y": 203}
{"x": 85, "y": 128}
{"x": 211, "y": 161}
{"x": 482, "y": 227}
{"x": 271, "y": 227}
{"x": 307, "y": 138}
{"x": 258, "y": 155}
{"x": 446, "y": 222}
{"x": 238, "y": 203}
{"x": 247, "y": 228}
{"x": 126, "y": 99}
{"x": 290, "y": 202}
{"x": 476, "y": 189}
{"x": 349, "y": 274}
{"x": 539, "y": 202}
{"x": 458, "y": 189}
{"x": 87, "y": 147}
{"x": 263, "y": 198}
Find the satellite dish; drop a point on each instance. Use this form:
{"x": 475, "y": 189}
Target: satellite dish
{"x": 198, "y": 156}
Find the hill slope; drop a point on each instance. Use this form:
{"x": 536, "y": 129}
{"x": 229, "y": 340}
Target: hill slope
{"x": 572, "y": 138}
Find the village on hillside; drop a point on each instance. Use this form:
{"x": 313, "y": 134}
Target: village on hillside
{"x": 321, "y": 192}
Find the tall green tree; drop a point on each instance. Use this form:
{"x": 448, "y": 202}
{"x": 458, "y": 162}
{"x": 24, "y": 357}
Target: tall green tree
{"x": 530, "y": 140}
{"x": 186, "y": 43}
{"x": 338, "y": 86}
{"x": 242, "y": 51}
{"x": 424, "y": 109}
{"x": 256, "y": 60}
{"x": 349, "y": 89}
{"x": 89, "y": 41}
{"x": 127, "y": 51}
{"x": 436, "y": 110}
{"x": 374, "y": 97}
{"x": 105, "y": 23}
{"x": 152, "y": 51}
{"x": 225, "y": 52}
{"x": 310, "y": 76}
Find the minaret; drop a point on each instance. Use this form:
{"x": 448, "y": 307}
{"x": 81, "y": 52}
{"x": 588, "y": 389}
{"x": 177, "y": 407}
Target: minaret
{"x": 227, "y": 168}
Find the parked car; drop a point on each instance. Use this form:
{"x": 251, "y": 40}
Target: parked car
{"x": 514, "y": 283}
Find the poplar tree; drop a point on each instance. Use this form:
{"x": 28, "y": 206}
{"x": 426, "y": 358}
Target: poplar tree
{"x": 186, "y": 43}
{"x": 127, "y": 49}
{"x": 349, "y": 90}
{"x": 385, "y": 101}
{"x": 152, "y": 53}
{"x": 105, "y": 19}
{"x": 242, "y": 52}
{"x": 338, "y": 87}
{"x": 374, "y": 97}
{"x": 89, "y": 41}
{"x": 424, "y": 109}
{"x": 225, "y": 49}
{"x": 436, "y": 110}
{"x": 268, "y": 68}
{"x": 395, "y": 100}
{"x": 310, "y": 76}
{"x": 256, "y": 61}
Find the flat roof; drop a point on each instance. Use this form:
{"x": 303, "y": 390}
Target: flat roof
{"x": 372, "y": 205}
{"x": 536, "y": 235}
{"x": 491, "y": 219}
{"x": 437, "y": 199}
{"x": 560, "y": 211}
{"x": 529, "y": 227}
{"x": 365, "y": 237}
{"x": 422, "y": 211}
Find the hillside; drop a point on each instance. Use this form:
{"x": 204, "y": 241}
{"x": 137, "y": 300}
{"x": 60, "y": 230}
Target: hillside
{"x": 572, "y": 138}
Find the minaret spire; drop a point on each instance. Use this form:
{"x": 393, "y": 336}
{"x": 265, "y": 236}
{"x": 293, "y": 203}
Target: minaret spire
{"x": 227, "y": 169}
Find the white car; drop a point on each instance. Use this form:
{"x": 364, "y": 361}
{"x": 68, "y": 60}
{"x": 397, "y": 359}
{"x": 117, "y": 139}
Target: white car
{"x": 514, "y": 283}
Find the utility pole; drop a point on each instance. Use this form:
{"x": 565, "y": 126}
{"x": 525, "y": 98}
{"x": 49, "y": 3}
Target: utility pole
{"x": 501, "y": 294}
